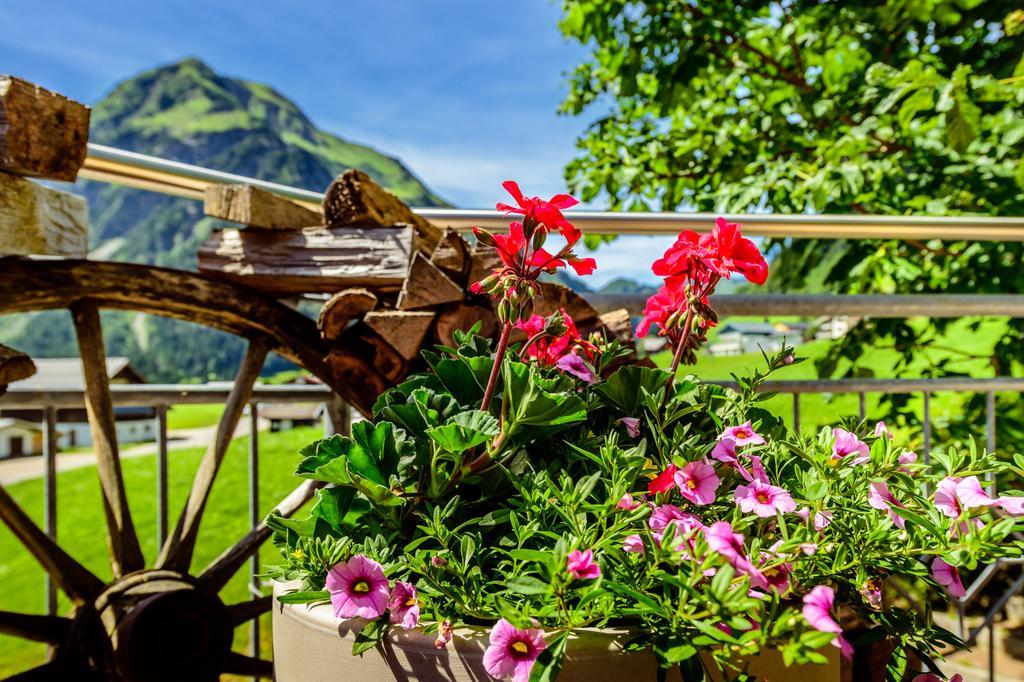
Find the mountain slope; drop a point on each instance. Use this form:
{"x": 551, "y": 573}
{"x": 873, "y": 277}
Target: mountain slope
{"x": 186, "y": 112}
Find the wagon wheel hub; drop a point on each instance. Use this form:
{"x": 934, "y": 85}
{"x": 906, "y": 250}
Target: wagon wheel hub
{"x": 161, "y": 626}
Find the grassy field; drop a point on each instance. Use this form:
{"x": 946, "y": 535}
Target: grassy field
{"x": 80, "y": 523}
{"x": 193, "y": 416}
{"x": 816, "y": 410}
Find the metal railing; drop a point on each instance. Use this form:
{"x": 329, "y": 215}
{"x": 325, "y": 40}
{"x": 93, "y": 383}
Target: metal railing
{"x": 160, "y": 175}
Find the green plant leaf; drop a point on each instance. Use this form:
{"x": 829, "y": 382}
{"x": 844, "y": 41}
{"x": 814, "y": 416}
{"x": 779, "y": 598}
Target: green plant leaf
{"x": 549, "y": 663}
{"x": 624, "y": 388}
{"x": 370, "y": 635}
{"x": 303, "y": 597}
{"x": 465, "y": 430}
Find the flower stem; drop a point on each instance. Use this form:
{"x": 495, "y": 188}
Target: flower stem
{"x": 684, "y": 340}
{"x": 499, "y": 355}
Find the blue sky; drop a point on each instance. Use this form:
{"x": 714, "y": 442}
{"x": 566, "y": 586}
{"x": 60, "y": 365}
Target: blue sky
{"x": 464, "y": 91}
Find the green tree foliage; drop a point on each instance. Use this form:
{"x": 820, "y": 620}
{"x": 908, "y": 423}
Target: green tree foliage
{"x": 900, "y": 107}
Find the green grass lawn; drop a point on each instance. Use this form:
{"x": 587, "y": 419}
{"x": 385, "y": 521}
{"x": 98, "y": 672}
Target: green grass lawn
{"x": 817, "y": 410}
{"x": 80, "y": 525}
{"x": 193, "y": 416}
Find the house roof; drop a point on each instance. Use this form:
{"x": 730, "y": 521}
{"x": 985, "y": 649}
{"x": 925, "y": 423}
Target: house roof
{"x": 67, "y": 373}
{"x": 8, "y": 422}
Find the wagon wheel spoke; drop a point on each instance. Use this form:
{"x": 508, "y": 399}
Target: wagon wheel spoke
{"x": 176, "y": 554}
{"x": 242, "y": 612}
{"x": 240, "y": 664}
{"x": 50, "y": 629}
{"x": 227, "y": 564}
{"x": 74, "y": 579}
{"x": 125, "y": 553}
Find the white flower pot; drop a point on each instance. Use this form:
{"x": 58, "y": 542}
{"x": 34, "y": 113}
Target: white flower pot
{"x": 312, "y": 645}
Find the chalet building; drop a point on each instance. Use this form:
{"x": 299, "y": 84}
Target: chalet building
{"x": 284, "y": 416}
{"x": 134, "y": 424}
{"x": 737, "y": 338}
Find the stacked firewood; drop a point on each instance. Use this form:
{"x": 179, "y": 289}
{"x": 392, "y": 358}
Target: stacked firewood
{"x": 398, "y": 283}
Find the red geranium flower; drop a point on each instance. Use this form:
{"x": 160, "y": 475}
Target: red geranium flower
{"x": 722, "y": 251}
{"x": 547, "y": 213}
{"x": 547, "y": 351}
{"x": 669, "y": 299}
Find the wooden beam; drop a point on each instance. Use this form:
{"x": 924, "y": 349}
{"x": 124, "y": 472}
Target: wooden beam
{"x": 256, "y": 207}
{"x": 452, "y": 256}
{"x": 42, "y": 134}
{"x": 556, "y": 296}
{"x": 355, "y": 199}
{"x": 341, "y": 308}
{"x": 310, "y": 260}
{"x": 14, "y": 366}
{"x": 404, "y": 330}
{"x": 426, "y": 286}
{"x": 482, "y": 262}
{"x": 41, "y": 221}
{"x": 125, "y": 553}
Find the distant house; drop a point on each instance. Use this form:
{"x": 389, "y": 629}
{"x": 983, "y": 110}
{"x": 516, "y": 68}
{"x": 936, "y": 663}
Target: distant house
{"x": 134, "y": 424}
{"x": 829, "y": 328}
{"x": 18, "y": 437}
{"x": 737, "y": 338}
{"x": 284, "y": 416}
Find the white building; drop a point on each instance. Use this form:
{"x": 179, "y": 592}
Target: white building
{"x": 737, "y": 338}
{"x": 18, "y": 437}
{"x": 133, "y": 424}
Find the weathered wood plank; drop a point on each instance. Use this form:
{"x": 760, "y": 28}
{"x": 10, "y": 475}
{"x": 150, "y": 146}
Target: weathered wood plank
{"x": 341, "y": 308}
{"x": 125, "y": 553}
{"x": 463, "y": 317}
{"x": 618, "y": 324}
{"x": 404, "y": 330}
{"x": 41, "y": 221}
{"x": 355, "y": 199}
{"x": 426, "y": 286}
{"x": 256, "y": 207}
{"x": 313, "y": 259}
{"x": 14, "y": 366}
{"x": 452, "y": 256}
{"x": 556, "y": 296}
{"x": 483, "y": 261}
{"x": 42, "y": 134}
{"x": 176, "y": 554}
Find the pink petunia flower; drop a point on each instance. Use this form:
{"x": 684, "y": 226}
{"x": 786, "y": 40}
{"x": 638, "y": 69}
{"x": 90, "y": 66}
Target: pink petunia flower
{"x": 358, "y": 588}
{"x": 776, "y": 576}
{"x": 972, "y": 495}
{"x": 822, "y": 519}
{"x": 946, "y": 499}
{"x": 632, "y": 425}
{"x": 581, "y": 565}
{"x": 763, "y": 500}
{"x": 663, "y": 514}
{"x": 404, "y": 606}
{"x": 633, "y": 543}
{"x": 663, "y": 481}
{"x": 627, "y": 502}
{"x": 882, "y": 430}
{"x": 743, "y": 434}
{"x": 879, "y": 497}
{"x": 1012, "y": 505}
{"x": 576, "y": 366}
{"x": 512, "y": 651}
{"x": 871, "y": 590}
{"x": 848, "y": 445}
{"x": 724, "y": 541}
{"x": 817, "y": 611}
{"x": 948, "y": 576}
{"x": 725, "y": 450}
{"x": 698, "y": 482}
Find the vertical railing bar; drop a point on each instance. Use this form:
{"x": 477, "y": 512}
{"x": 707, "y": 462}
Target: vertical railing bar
{"x": 161, "y": 475}
{"x": 50, "y": 495}
{"x": 862, "y": 411}
{"x": 796, "y": 412}
{"x": 992, "y": 652}
{"x": 990, "y": 435}
{"x": 254, "y": 519}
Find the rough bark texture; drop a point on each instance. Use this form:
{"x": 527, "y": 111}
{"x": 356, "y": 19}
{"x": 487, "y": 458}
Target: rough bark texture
{"x": 555, "y": 296}
{"x": 426, "y": 286}
{"x": 483, "y": 261}
{"x": 404, "y": 330}
{"x": 347, "y": 368}
{"x": 462, "y": 317}
{"x": 452, "y": 256}
{"x": 313, "y": 259}
{"x": 257, "y": 208}
{"x": 14, "y": 366}
{"x": 41, "y": 221}
{"x": 371, "y": 346}
{"x": 618, "y": 324}
{"x": 341, "y": 309}
{"x": 42, "y": 134}
{"x": 355, "y": 199}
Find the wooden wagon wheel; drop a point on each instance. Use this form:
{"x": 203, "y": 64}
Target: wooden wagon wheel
{"x": 162, "y": 622}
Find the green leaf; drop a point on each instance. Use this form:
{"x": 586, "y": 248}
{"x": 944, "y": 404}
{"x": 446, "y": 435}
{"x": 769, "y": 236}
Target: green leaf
{"x": 370, "y": 635}
{"x": 624, "y": 388}
{"x": 529, "y": 404}
{"x": 549, "y": 663}
{"x": 465, "y": 430}
{"x": 303, "y": 597}
{"x": 527, "y": 584}
{"x": 671, "y": 649}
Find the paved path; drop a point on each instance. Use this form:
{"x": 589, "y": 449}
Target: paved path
{"x": 27, "y": 468}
